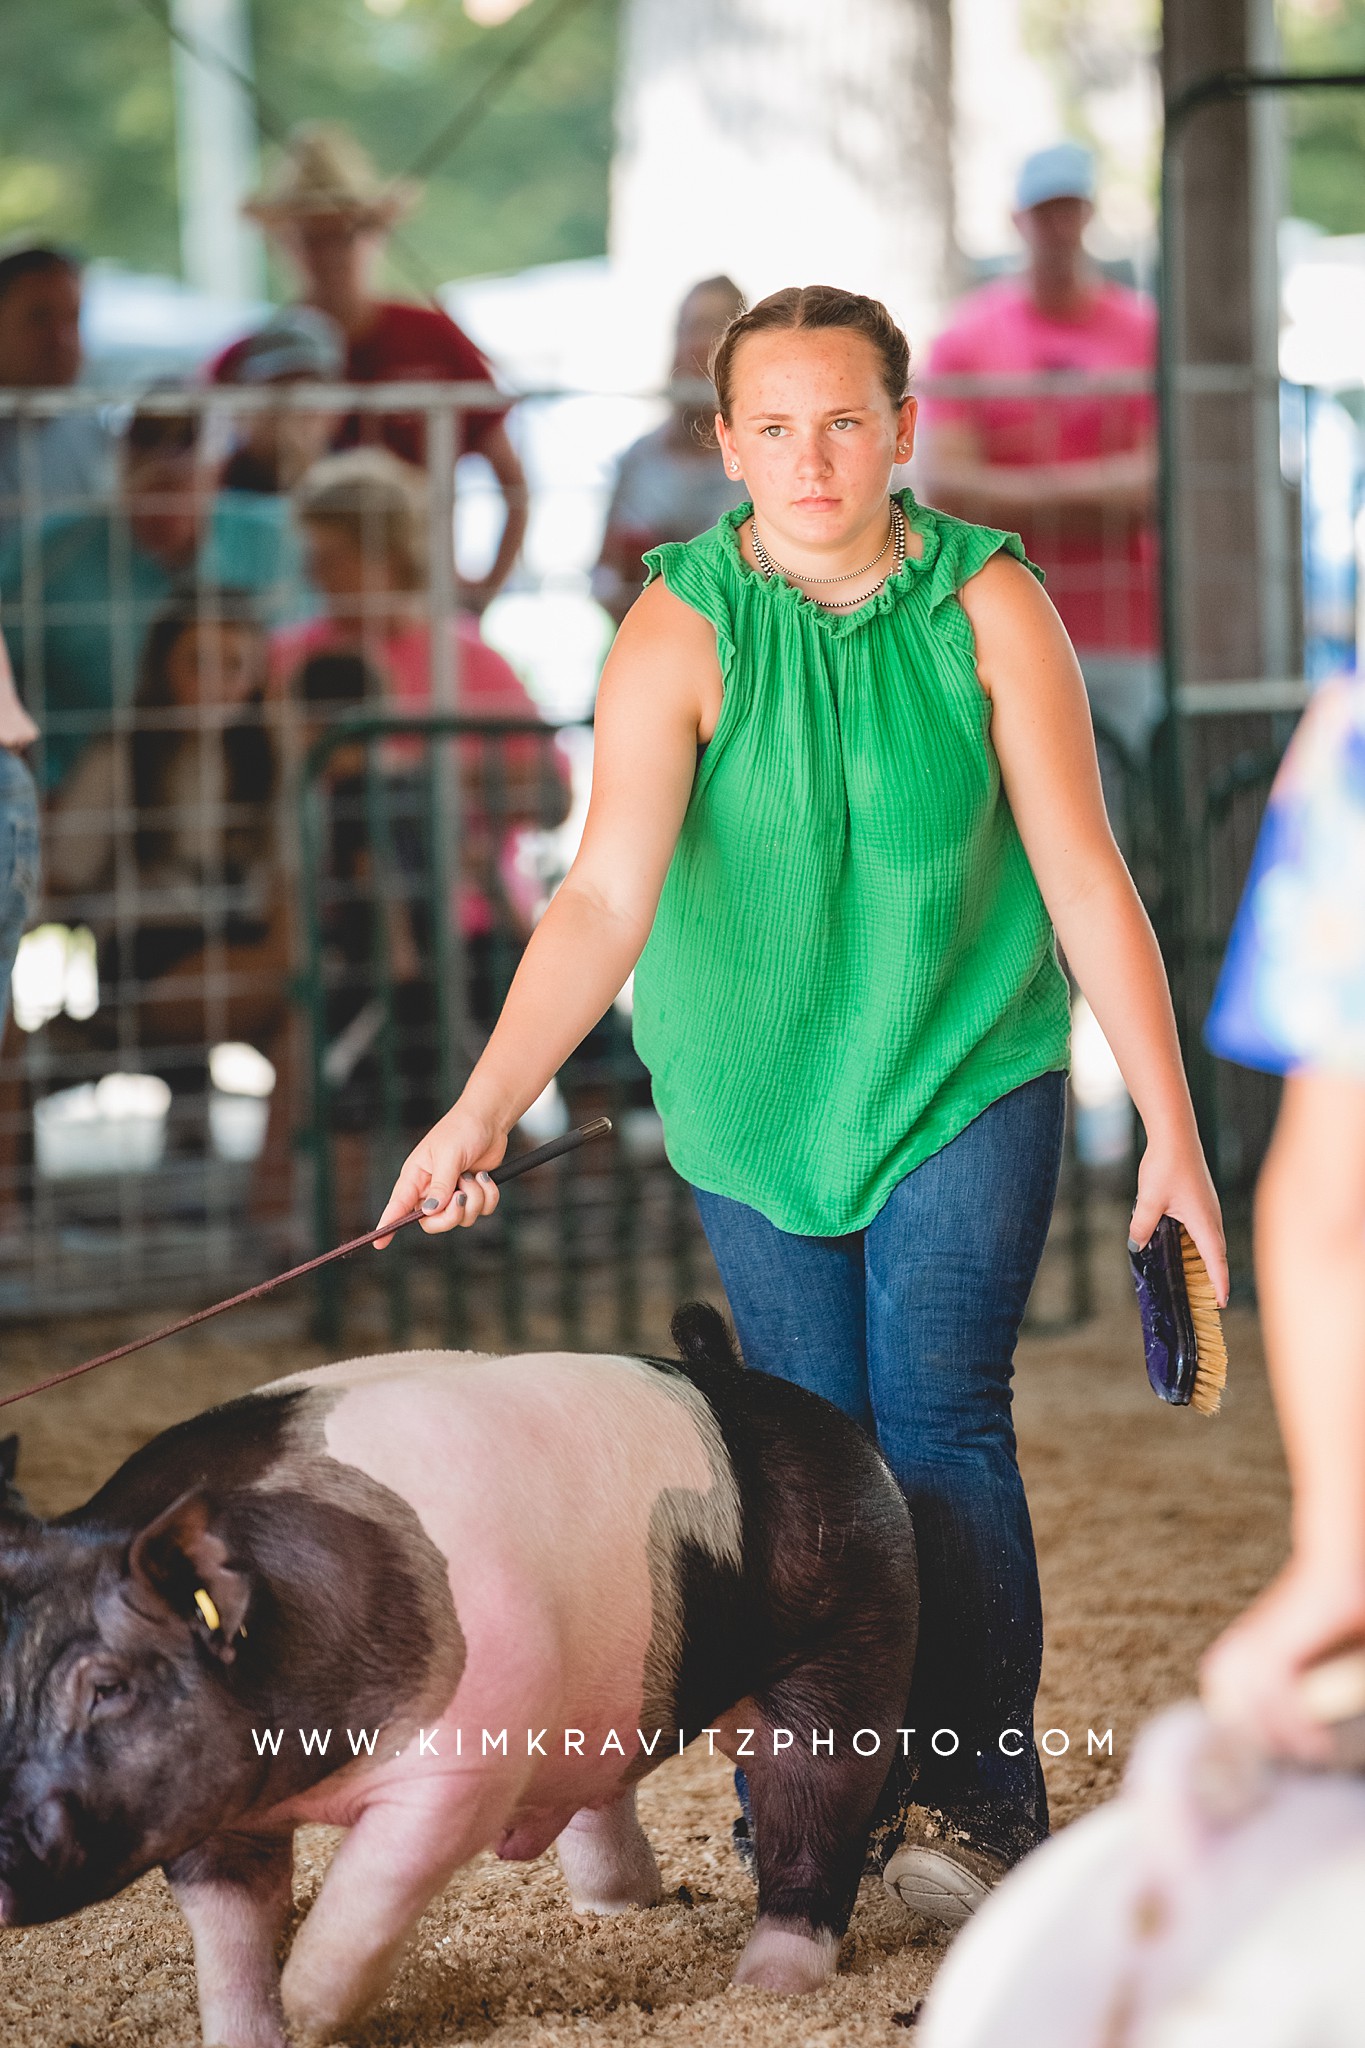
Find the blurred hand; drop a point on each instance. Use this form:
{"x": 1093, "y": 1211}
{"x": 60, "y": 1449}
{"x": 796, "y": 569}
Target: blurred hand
{"x": 17, "y": 729}
{"x": 1175, "y": 1181}
{"x": 1250, "y": 1679}
{"x": 475, "y": 597}
{"x": 447, "y": 1174}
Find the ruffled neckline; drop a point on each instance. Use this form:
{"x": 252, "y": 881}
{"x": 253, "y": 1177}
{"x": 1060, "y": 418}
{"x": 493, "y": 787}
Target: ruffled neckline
{"x": 920, "y": 519}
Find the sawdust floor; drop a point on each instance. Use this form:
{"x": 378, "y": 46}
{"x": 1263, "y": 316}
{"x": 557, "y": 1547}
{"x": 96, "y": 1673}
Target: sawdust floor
{"x": 1154, "y": 1526}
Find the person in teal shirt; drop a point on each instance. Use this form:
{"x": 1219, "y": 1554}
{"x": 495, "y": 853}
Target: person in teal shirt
{"x": 78, "y": 597}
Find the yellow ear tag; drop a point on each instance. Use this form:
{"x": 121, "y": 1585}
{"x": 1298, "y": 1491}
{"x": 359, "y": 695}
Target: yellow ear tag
{"x": 206, "y": 1608}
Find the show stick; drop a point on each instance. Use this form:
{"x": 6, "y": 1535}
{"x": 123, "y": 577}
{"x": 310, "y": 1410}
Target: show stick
{"x": 508, "y": 1170}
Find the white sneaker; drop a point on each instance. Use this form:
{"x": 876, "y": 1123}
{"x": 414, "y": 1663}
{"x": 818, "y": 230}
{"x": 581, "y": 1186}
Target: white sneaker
{"x": 942, "y": 1884}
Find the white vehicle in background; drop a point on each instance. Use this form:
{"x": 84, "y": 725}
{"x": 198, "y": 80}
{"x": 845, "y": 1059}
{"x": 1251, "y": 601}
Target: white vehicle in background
{"x": 135, "y": 328}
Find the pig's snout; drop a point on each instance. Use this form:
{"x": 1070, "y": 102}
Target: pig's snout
{"x": 51, "y": 1835}
{"x": 40, "y": 1852}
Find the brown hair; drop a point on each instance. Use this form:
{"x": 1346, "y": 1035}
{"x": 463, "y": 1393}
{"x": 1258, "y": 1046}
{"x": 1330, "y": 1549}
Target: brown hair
{"x": 34, "y": 259}
{"x": 247, "y": 748}
{"x": 813, "y": 306}
{"x": 720, "y": 287}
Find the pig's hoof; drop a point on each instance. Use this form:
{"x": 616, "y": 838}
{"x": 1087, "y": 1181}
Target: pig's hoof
{"x": 788, "y": 1956}
{"x": 607, "y": 1862}
{"x": 310, "y": 2026}
{"x": 329, "y": 2036}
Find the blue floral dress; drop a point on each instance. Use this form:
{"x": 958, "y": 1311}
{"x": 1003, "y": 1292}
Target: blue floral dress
{"x": 1292, "y": 990}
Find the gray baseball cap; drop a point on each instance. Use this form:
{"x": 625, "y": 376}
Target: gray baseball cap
{"x": 298, "y": 341}
{"x": 1065, "y": 171}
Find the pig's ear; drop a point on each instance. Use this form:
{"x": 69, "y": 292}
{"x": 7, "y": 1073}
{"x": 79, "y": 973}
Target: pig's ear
{"x": 180, "y": 1562}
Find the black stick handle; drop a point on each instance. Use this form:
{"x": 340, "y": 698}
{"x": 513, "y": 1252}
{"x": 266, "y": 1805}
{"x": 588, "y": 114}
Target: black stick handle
{"x": 522, "y": 1162}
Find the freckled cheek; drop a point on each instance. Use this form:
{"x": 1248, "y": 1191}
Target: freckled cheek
{"x": 869, "y": 462}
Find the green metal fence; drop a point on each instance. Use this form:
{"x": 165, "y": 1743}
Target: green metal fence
{"x": 1224, "y": 733}
{"x": 411, "y": 936}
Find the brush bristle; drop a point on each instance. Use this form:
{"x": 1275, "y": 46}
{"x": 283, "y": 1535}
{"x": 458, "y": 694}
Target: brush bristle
{"x": 1210, "y": 1351}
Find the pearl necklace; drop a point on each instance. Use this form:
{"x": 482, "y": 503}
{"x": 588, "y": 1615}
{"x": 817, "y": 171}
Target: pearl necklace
{"x": 895, "y": 540}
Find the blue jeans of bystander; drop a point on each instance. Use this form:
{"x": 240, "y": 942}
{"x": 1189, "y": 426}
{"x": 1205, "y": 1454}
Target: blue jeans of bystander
{"x": 909, "y": 1326}
{"x": 18, "y": 865}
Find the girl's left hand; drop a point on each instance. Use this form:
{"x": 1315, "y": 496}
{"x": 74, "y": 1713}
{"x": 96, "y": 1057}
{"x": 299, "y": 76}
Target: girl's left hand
{"x": 1176, "y": 1182}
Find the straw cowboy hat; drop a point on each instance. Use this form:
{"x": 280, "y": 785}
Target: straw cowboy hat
{"x": 325, "y": 170}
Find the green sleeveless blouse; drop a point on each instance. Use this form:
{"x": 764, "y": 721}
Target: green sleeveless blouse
{"x": 851, "y": 958}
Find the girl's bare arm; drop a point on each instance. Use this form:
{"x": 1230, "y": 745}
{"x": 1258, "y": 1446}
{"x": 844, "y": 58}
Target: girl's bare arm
{"x": 659, "y": 695}
{"x": 1040, "y": 726}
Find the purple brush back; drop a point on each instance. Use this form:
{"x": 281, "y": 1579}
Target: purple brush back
{"x": 1164, "y": 1305}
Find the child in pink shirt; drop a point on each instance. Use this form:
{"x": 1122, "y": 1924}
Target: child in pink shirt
{"x": 363, "y": 517}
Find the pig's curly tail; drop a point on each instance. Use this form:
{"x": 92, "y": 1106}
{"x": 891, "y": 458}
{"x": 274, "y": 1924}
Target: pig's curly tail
{"x": 703, "y": 1337}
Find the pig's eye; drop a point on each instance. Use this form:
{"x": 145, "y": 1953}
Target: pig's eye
{"x": 105, "y": 1695}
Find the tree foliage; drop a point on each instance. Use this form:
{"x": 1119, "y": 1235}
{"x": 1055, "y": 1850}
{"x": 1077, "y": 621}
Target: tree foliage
{"x": 87, "y": 121}
{"x": 1326, "y": 130}
{"x": 87, "y": 128}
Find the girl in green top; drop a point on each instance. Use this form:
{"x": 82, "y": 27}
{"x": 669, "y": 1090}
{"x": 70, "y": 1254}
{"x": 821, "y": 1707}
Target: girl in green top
{"x": 844, "y": 789}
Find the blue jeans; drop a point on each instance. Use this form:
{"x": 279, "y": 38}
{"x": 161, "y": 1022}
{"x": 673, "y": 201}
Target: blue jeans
{"x": 909, "y": 1326}
{"x": 18, "y": 864}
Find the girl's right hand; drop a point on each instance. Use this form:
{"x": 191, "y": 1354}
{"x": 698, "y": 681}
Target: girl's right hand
{"x": 447, "y": 1174}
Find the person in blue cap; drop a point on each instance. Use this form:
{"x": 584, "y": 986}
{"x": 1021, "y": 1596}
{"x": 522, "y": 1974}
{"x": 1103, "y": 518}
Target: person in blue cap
{"x": 1072, "y": 471}
{"x": 272, "y": 451}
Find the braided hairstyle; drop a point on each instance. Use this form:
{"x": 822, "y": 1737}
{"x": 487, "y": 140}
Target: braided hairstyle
{"x": 808, "y": 307}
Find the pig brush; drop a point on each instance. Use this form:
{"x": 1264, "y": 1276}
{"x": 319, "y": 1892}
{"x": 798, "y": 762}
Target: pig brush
{"x": 508, "y": 1170}
{"x": 1182, "y": 1335}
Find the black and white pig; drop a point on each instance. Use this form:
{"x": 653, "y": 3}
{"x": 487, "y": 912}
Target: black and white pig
{"x": 433, "y": 1544}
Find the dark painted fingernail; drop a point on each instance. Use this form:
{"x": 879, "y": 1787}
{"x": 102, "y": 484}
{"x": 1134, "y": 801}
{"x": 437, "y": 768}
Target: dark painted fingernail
{"x": 1133, "y": 1245}
{"x": 486, "y": 1178}
{"x": 460, "y": 1200}
{"x": 431, "y": 1205}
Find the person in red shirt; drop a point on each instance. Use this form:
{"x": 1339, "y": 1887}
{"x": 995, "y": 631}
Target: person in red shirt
{"x": 1074, "y": 473}
{"x": 329, "y": 211}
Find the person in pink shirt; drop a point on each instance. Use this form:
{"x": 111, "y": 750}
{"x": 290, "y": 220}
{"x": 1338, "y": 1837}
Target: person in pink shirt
{"x": 363, "y": 515}
{"x": 1074, "y": 473}
{"x": 363, "y": 519}
{"x": 364, "y": 524}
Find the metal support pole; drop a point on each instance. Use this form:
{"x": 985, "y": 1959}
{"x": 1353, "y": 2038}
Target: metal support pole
{"x": 215, "y": 123}
{"x": 1189, "y": 893}
{"x": 444, "y": 804}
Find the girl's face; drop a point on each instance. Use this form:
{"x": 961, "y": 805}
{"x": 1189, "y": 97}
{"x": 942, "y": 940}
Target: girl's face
{"x": 214, "y": 661}
{"x": 814, "y": 434}
{"x": 345, "y": 572}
